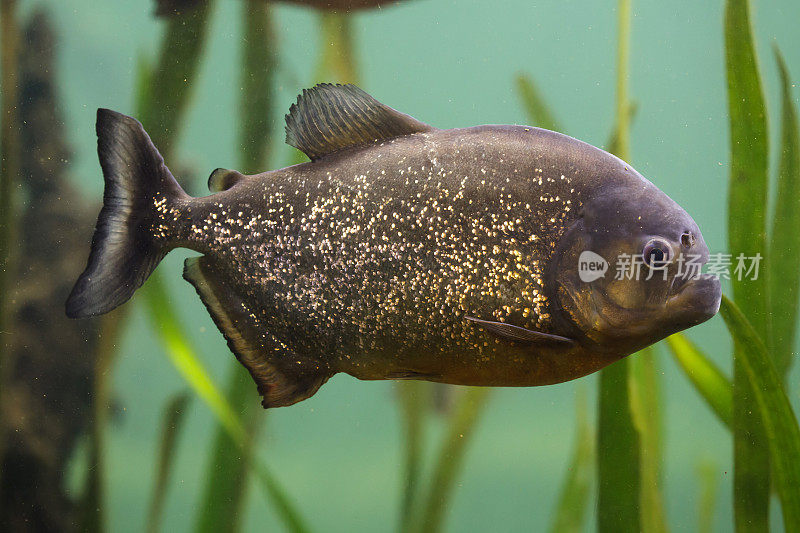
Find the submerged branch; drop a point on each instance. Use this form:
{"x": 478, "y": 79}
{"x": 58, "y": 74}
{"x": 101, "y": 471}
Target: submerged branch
{"x": 46, "y": 395}
{"x": 9, "y": 164}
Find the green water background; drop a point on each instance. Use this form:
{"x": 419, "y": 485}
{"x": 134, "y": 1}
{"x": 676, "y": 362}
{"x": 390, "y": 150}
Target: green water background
{"x": 450, "y": 64}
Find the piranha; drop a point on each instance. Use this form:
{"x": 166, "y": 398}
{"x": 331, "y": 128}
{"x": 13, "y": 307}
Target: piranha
{"x": 486, "y": 255}
{"x": 167, "y": 8}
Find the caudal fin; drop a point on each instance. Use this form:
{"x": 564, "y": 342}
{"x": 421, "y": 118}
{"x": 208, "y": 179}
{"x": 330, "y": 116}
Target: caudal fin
{"x": 125, "y": 249}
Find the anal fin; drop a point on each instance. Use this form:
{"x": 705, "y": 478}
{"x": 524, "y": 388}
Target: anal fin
{"x": 282, "y": 376}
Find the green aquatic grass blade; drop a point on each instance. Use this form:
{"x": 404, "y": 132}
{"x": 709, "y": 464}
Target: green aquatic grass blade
{"x": 10, "y": 156}
{"x": 170, "y": 429}
{"x": 284, "y": 507}
{"x": 618, "y": 444}
{"x": 645, "y": 407}
{"x": 780, "y": 422}
{"x": 537, "y": 111}
{"x": 747, "y": 195}
{"x": 92, "y": 507}
{"x": 784, "y": 246}
{"x": 173, "y": 76}
{"x": 709, "y": 381}
{"x": 618, "y": 441}
{"x": 708, "y": 478}
{"x": 144, "y": 83}
{"x": 259, "y": 60}
{"x": 570, "y": 513}
{"x": 448, "y": 464}
{"x": 228, "y": 472}
{"x": 337, "y": 60}
{"x": 183, "y": 357}
{"x": 296, "y": 157}
{"x": 414, "y": 397}
{"x": 623, "y": 106}
{"x": 616, "y": 144}
{"x": 747, "y": 201}
{"x": 617, "y": 435}
{"x": 228, "y": 469}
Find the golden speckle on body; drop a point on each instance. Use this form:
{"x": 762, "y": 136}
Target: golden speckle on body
{"x": 395, "y": 247}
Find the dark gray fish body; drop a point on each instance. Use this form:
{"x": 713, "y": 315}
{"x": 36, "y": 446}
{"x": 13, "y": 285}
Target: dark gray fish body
{"x": 444, "y": 255}
{"x": 371, "y": 258}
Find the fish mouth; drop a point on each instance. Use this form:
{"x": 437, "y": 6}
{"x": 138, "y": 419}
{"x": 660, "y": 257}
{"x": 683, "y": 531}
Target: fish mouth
{"x": 696, "y": 298}
{"x": 680, "y": 282}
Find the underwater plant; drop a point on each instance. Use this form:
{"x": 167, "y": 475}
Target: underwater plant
{"x": 628, "y": 430}
{"x": 763, "y": 321}
{"x": 767, "y": 438}
{"x": 756, "y": 398}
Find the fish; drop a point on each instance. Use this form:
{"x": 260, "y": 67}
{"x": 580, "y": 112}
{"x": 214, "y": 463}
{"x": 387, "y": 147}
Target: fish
{"x": 168, "y": 8}
{"x": 404, "y": 251}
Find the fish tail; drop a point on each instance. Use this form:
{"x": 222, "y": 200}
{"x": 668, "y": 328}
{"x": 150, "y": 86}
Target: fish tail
{"x": 128, "y": 240}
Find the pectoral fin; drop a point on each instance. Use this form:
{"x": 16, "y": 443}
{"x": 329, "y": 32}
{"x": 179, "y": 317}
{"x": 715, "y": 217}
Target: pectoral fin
{"x": 413, "y": 374}
{"x": 518, "y": 334}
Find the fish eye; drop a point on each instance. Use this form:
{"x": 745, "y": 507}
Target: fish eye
{"x": 657, "y": 253}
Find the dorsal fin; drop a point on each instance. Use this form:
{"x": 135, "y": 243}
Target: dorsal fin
{"x": 328, "y": 118}
{"x": 223, "y": 179}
